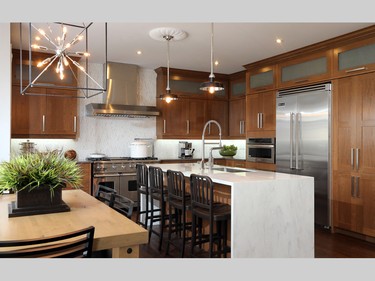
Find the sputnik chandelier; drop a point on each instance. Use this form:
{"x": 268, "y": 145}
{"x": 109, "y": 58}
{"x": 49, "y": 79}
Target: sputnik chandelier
{"x": 62, "y": 51}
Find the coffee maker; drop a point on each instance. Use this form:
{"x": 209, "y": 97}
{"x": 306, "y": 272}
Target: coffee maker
{"x": 184, "y": 149}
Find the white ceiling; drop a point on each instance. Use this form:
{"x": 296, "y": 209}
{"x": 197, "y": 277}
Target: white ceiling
{"x": 235, "y": 44}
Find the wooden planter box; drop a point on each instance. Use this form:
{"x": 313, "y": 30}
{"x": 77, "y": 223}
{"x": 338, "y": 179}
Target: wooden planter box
{"x": 37, "y": 201}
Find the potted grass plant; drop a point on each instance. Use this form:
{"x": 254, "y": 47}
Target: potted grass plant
{"x": 37, "y": 179}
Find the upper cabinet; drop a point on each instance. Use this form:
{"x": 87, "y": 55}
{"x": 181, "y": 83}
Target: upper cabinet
{"x": 355, "y": 58}
{"x": 261, "y": 79}
{"x": 305, "y": 70}
{"x": 186, "y": 117}
{"x": 47, "y": 114}
{"x": 237, "y": 105}
{"x": 237, "y": 85}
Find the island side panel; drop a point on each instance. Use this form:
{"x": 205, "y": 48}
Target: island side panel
{"x": 273, "y": 219}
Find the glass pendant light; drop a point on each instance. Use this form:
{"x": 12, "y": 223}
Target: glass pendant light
{"x": 212, "y": 86}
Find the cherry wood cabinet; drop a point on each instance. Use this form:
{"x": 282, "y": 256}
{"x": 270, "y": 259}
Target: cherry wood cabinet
{"x": 353, "y": 153}
{"x": 46, "y": 112}
{"x": 237, "y": 117}
{"x": 42, "y": 116}
{"x": 173, "y": 119}
{"x": 261, "y": 112}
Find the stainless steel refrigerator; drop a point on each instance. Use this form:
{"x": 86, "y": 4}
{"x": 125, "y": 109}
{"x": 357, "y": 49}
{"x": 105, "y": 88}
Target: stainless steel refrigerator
{"x": 303, "y": 124}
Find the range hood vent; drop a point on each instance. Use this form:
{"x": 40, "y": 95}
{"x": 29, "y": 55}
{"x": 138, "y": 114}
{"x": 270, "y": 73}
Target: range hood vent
{"x": 121, "y": 98}
{"x": 121, "y": 110}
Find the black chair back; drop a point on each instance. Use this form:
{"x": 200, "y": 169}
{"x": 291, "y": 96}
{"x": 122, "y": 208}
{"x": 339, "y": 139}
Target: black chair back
{"x": 201, "y": 188}
{"x": 142, "y": 175}
{"x": 156, "y": 181}
{"x": 104, "y": 194}
{"x": 65, "y": 247}
{"x": 122, "y": 205}
{"x": 176, "y": 186}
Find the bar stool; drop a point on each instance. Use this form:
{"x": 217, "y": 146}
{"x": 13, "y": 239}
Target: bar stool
{"x": 204, "y": 207}
{"x": 142, "y": 189}
{"x": 178, "y": 200}
{"x": 158, "y": 195}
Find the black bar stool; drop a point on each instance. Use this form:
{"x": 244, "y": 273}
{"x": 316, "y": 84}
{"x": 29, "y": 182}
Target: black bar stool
{"x": 204, "y": 207}
{"x": 179, "y": 201}
{"x": 158, "y": 196}
{"x": 142, "y": 189}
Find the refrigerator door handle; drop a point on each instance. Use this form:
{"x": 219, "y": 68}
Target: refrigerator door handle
{"x": 291, "y": 138}
{"x": 298, "y": 139}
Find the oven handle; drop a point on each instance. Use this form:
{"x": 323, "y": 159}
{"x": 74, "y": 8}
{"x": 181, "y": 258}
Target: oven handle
{"x": 106, "y": 175}
{"x": 127, "y": 174}
{"x": 261, "y": 145}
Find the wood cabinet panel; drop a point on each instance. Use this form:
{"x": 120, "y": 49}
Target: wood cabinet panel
{"x": 261, "y": 112}
{"x": 86, "y": 180}
{"x": 173, "y": 119}
{"x": 261, "y": 79}
{"x": 197, "y": 117}
{"x": 218, "y": 111}
{"x": 237, "y": 116}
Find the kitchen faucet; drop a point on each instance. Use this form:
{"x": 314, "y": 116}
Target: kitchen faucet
{"x": 210, "y": 159}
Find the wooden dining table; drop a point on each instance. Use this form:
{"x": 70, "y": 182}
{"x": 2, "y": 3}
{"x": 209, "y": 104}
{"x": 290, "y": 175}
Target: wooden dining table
{"x": 112, "y": 229}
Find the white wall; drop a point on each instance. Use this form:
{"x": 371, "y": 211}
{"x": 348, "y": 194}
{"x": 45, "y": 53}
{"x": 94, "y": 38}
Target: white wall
{"x": 5, "y": 91}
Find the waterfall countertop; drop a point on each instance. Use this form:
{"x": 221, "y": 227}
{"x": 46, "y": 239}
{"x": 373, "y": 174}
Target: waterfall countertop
{"x": 272, "y": 213}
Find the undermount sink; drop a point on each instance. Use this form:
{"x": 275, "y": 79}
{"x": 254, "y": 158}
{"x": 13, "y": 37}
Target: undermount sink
{"x": 228, "y": 170}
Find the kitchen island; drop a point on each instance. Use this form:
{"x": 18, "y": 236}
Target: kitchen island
{"x": 272, "y": 214}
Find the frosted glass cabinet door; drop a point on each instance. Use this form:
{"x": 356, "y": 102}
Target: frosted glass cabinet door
{"x": 306, "y": 70}
{"x": 261, "y": 79}
{"x": 355, "y": 58}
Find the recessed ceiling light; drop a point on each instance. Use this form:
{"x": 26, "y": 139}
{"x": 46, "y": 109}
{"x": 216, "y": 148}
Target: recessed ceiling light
{"x": 139, "y": 52}
{"x": 279, "y": 40}
{"x": 216, "y": 62}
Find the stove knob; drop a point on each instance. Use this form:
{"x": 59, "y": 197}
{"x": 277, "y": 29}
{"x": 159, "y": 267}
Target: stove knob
{"x": 114, "y": 167}
{"x": 123, "y": 166}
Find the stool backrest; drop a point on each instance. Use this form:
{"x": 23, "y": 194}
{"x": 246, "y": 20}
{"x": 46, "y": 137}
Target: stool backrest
{"x": 201, "y": 188}
{"x": 176, "y": 185}
{"x": 122, "y": 205}
{"x": 156, "y": 179}
{"x": 142, "y": 175}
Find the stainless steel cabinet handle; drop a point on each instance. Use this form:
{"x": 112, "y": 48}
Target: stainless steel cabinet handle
{"x": 258, "y": 120}
{"x": 352, "y": 158}
{"x": 242, "y": 127}
{"x": 357, "y": 158}
{"x": 356, "y": 69}
{"x": 164, "y": 126}
{"x": 43, "y": 123}
{"x": 357, "y": 187}
{"x": 187, "y": 126}
{"x": 261, "y": 120}
{"x": 75, "y": 124}
{"x": 352, "y": 186}
{"x": 291, "y": 138}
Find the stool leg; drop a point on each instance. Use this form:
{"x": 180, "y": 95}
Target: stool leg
{"x": 219, "y": 235}
{"x": 151, "y": 220}
{"x": 225, "y": 226}
{"x": 162, "y": 223}
{"x": 183, "y": 232}
{"x": 139, "y": 206}
{"x": 193, "y": 235}
{"x": 169, "y": 228}
{"x": 147, "y": 212}
{"x": 211, "y": 239}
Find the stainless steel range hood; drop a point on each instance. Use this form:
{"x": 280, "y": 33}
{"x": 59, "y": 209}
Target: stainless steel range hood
{"x": 122, "y": 98}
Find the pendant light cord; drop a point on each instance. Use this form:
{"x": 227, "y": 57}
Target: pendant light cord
{"x": 212, "y": 51}
{"x": 168, "y": 38}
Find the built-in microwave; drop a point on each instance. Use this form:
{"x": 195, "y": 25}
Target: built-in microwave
{"x": 260, "y": 150}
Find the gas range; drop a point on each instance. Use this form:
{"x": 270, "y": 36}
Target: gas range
{"x": 118, "y": 165}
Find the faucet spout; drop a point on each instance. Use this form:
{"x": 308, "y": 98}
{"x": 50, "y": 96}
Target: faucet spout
{"x": 203, "y": 141}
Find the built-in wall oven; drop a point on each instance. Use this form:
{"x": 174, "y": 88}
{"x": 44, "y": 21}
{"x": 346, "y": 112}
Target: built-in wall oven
{"x": 260, "y": 150}
{"x": 118, "y": 174}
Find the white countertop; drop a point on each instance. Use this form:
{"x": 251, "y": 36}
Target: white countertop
{"x": 227, "y": 178}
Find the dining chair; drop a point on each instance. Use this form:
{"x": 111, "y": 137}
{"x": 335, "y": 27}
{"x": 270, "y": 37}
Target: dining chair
{"x": 76, "y": 244}
{"x": 122, "y": 205}
{"x": 104, "y": 193}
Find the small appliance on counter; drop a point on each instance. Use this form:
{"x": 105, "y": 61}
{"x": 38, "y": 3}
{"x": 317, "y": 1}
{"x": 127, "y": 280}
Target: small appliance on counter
{"x": 142, "y": 148}
{"x": 28, "y": 147}
{"x": 185, "y": 150}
